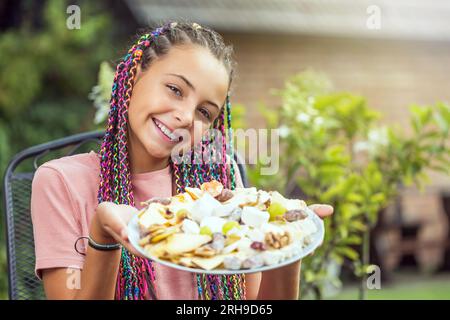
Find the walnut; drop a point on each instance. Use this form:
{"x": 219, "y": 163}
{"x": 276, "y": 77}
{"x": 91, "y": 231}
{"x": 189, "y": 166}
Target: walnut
{"x": 225, "y": 195}
{"x": 276, "y": 240}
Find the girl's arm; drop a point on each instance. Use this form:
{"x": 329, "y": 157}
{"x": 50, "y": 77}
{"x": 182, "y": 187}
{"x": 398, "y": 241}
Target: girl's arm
{"x": 252, "y": 285}
{"x": 98, "y": 278}
{"x": 281, "y": 284}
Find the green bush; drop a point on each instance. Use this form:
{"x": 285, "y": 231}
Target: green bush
{"x": 340, "y": 154}
{"x": 46, "y": 73}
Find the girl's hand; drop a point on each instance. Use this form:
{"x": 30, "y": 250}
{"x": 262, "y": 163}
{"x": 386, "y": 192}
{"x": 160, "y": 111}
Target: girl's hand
{"x": 322, "y": 210}
{"x": 110, "y": 224}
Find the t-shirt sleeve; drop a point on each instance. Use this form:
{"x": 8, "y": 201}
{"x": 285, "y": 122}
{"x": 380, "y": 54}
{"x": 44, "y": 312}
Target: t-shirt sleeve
{"x": 56, "y": 225}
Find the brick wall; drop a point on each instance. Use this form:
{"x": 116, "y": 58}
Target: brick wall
{"x": 391, "y": 74}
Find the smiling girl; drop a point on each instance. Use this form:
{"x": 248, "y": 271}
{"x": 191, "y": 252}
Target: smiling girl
{"x": 175, "y": 78}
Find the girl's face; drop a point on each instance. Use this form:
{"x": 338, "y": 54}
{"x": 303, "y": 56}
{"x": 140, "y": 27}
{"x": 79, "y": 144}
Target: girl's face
{"x": 183, "y": 91}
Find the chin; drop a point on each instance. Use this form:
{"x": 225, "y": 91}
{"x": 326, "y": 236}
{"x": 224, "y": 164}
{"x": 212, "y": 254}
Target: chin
{"x": 158, "y": 152}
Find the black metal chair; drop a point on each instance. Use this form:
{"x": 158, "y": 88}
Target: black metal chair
{"x": 23, "y": 284}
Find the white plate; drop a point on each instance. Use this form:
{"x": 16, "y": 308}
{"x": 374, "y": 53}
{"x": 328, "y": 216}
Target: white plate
{"x": 317, "y": 238}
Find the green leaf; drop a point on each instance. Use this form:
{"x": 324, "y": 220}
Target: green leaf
{"x": 348, "y": 252}
{"x": 378, "y": 198}
{"x": 355, "y": 197}
{"x": 352, "y": 240}
{"x": 358, "y": 226}
{"x": 441, "y": 122}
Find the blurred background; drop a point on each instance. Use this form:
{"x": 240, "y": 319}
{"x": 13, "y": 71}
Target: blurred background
{"x": 358, "y": 89}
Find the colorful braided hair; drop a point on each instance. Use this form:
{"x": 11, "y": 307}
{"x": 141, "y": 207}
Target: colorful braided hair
{"x": 136, "y": 275}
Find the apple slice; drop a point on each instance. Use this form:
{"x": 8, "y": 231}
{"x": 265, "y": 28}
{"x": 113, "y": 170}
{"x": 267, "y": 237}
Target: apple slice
{"x": 208, "y": 263}
{"x": 182, "y": 242}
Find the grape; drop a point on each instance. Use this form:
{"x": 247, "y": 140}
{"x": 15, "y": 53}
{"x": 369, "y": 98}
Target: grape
{"x": 229, "y": 225}
{"x": 182, "y": 213}
{"x": 276, "y": 209}
{"x": 206, "y": 231}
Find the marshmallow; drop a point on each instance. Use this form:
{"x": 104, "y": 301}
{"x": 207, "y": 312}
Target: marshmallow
{"x": 215, "y": 224}
{"x": 271, "y": 227}
{"x": 256, "y": 235}
{"x": 189, "y": 226}
{"x": 254, "y": 217}
{"x": 204, "y": 207}
{"x": 271, "y": 257}
{"x": 224, "y": 210}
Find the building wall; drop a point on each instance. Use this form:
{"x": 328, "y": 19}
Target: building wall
{"x": 391, "y": 74}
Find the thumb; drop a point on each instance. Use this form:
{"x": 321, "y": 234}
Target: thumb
{"x": 322, "y": 210}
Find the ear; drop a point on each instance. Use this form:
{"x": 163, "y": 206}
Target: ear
{"x": 138, "y": 73}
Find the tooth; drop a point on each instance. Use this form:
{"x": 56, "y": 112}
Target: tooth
{"x": 166, "y": 131}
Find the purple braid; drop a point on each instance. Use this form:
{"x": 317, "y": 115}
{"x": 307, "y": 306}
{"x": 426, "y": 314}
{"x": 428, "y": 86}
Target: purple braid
{"x": 136, "y": 278}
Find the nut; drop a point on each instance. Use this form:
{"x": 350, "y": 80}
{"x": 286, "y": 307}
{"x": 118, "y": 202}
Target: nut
{"x": 294, "y": 215}
{"x": 233, "y": 263}
{"x": 253, "y": 262}
{"x": 277, "y": 241}
{"x": 213, "y": 187}
{"x": 218, "y": 242}
{"x": 236, "y": 214}
{"x": 225, "y": 195}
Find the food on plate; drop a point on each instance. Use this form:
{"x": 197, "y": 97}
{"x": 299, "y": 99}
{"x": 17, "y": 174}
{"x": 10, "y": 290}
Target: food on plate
{"x": 214, "y": 228}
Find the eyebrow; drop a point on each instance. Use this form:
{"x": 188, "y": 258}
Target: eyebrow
{"x": 190, "y": 85}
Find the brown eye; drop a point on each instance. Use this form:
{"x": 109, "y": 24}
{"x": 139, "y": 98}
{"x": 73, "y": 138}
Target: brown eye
{"x": 174, "y": 90}
{"x": 205, "y": 113}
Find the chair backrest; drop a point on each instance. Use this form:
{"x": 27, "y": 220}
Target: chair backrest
{"x": 23, "y": 284}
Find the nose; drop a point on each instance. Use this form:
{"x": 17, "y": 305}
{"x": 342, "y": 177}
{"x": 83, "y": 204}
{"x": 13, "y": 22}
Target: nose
{"x": 185, "y": 117}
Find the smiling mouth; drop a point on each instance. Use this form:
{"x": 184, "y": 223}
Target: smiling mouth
{"x": 166, "y": 131}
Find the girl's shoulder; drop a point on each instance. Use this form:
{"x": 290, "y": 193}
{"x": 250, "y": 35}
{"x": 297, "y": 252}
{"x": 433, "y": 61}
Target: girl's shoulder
{"x": 88, "y": 161}
{"x": 78, "y": 171}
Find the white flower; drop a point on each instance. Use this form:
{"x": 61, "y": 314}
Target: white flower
{"x": 311, "y": 100}
{"x": 361, "y": 146}
{"x": 378, "y": 136}
{"x": 319, "y": 121}
{"x": 303, "y": 117}
{"x": 283, "y": 131}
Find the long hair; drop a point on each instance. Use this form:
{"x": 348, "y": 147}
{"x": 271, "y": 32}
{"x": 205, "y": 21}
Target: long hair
{"x": 136, "y": 278}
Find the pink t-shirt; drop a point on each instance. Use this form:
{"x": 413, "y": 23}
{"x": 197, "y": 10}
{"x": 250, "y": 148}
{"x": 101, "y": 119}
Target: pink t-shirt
{"x": 63, "y": 202}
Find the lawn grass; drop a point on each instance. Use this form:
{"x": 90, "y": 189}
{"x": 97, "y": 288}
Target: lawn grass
{"x": 405, "y": 287}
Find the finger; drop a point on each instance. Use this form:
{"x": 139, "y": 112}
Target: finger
{"x": 114, "y": 224}
{"x": 115, "y": 235}
{"x": 322, "y": 210}
{"x": 126, "y": 212}
{"x": 116, "y": 217}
